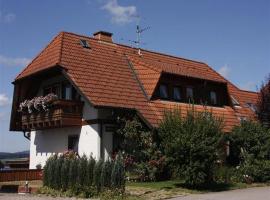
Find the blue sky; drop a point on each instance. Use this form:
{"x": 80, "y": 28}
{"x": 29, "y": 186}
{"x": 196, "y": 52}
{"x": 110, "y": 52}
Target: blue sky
{"x": 231, "y": 36}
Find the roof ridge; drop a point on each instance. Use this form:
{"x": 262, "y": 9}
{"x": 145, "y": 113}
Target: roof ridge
{"x": 147, "y": 50}
{"x": 248, "y": 91}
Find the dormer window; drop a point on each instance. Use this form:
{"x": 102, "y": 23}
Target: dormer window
{"x": 189, "y": 93}
{"x": 213, "y": 97}
{"x": 163, "y": 91}
{"x": 177, "y": 93}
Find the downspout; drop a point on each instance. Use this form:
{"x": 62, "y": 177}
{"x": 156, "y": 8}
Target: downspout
{"x": 101, "y": 140}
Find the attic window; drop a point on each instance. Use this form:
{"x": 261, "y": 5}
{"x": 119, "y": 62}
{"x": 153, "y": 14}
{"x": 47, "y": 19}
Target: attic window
{"x": 84, "y": 44}
{"x": 235, "y": 102}
{"x": 163, "y": 91}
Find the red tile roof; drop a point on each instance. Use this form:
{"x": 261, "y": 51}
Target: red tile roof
{"x": 114, "y": 75}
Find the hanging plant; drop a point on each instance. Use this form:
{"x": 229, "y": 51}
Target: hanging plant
{"x": 37, "y": 104}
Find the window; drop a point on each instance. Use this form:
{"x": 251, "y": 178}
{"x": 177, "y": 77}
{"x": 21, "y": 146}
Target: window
{"x": 73, "y": 141}
{"x": 189, "y": 93}
{"x": 176, "y": 93}
{"x": 68, "y": 92}
{"x": 163, "y": 91}
{"x": 84, "y": 43}
{"x": 55, "y": 89}
{"x": 213, "y": 98}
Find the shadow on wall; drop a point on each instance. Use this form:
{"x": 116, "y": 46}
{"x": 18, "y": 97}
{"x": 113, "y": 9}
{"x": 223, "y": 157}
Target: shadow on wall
{"x": 48, "y": 142}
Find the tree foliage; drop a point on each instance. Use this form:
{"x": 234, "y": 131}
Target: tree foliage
{"x": 75, "y": 174}
{"x": 263, "y": 104}
{"x": 191, "y": 144}
{"x": 1, "y": 164}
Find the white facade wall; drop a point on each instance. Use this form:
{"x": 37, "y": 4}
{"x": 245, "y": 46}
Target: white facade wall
{"x": 45, "y": 143}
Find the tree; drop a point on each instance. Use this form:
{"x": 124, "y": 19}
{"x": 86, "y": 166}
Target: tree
{"x": 97, "y": 174}
{"x": 118, "y": 173}
{"x": 106, "y": 174}
{"x": 82, "y": 170}
{"x": 191, "y": 144}
{"x": 263, "y": 104}
{"x": 90, "y": 173}
{"x": 1, "y": 164}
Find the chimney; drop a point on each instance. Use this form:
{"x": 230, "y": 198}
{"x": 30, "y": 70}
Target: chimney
{"x": 103, "y": 36}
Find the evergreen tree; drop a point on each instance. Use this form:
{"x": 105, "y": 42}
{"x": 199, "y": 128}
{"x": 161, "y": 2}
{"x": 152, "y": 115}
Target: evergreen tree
{"x": 106, "y": 174}
{"x": 57, "y": 172}
{"x": 51, "y": 169}
{"x": 118, "y": 173}
{"x": 64, "y": 173}
{"x": 90, "y": 171}
{"x": 82, "y": 171}
{"x": 97, "y": 174}
{"x": 263, "y": 104}
{"x": 72, "y": 175}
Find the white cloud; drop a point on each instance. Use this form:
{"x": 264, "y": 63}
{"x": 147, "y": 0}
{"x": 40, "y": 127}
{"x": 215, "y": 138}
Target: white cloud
{"x": 8, "y": 61}
{"x": 120, "y": 14}
{"x": 4, "y": 100}
{"x": 7, "y": 18}
{"x": 225, "y": 71}
{"x": 249, "y": 86}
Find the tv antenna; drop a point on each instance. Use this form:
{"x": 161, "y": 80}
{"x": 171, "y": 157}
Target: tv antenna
{"x": 139, "y": 31}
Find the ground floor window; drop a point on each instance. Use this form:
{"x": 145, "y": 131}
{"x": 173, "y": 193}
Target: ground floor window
{"x": 73, "y": 141}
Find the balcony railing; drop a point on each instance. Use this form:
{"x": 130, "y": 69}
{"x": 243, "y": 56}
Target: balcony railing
{"x": 62, "y": 113}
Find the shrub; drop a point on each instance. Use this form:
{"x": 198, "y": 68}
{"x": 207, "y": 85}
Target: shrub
{"x": 90, "y": 168}
{"x": 118, "y": 173}
{"x": 72, "y": 174}
{"x": 263, "y": 104}
{"x": 97, "y": 175}
{"x": 57, "y": 172}
{"x": 257, "y": 170}
{"x": 65, "y": 173}
{"x": 82, "y": 171}
{"x": 79, "y": 176}
{"x": 249, "y": 138}
{"x": 191, "y": 144}
{"x": 106, "y": 173}
{"x": 1, "y": 164}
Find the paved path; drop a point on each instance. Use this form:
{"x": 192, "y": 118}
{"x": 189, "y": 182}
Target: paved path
{"x": 258, "y": 193}
{"x": 12, "y": 196}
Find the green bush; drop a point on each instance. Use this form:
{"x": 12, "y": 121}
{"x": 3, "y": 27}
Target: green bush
{"x": 250, "y": 146}
{"x": 81, "y": 177}
{"x": 90, "y": 168}
{"x": 106, "y": 173}
{"x": 73, "y": 173}
{"x": 97, "y": 175}
{"x": 118, "y": 173}
{"x": 82, "y": 171}
{"x": 64, "y": 173}
{"x": 192, "y": 144}
{"x": 1, "y": 164}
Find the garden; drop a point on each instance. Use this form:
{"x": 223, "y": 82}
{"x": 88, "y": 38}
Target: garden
{"x": 183, "y": 155}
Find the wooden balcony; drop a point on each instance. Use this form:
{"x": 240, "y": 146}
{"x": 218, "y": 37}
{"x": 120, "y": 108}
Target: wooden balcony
{"x": 62, "y": 113}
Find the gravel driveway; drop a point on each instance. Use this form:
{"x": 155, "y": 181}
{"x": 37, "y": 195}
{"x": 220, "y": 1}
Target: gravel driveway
{"x": 257, "y": 193}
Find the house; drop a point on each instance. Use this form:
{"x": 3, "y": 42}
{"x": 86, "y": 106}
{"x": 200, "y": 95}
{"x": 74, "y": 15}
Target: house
{"x": 94, "y": 78}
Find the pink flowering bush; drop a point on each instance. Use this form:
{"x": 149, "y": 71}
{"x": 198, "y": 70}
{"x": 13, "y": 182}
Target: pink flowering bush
{"x": 41, "y": 103}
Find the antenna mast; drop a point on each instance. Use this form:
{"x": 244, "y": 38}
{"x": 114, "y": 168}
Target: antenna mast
{"x": 139, "y": 31}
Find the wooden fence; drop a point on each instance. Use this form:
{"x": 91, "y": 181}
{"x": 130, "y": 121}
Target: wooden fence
{"x": 20, "y": 175}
